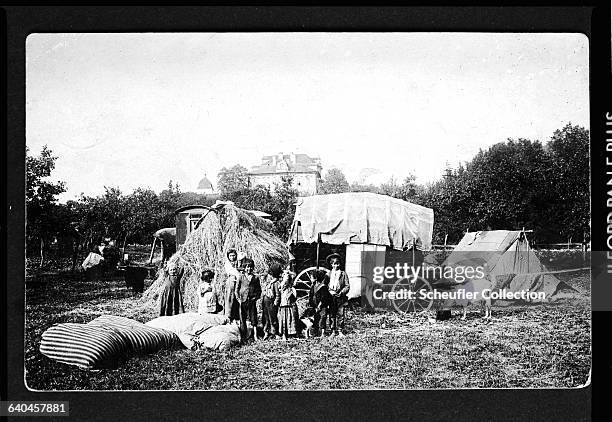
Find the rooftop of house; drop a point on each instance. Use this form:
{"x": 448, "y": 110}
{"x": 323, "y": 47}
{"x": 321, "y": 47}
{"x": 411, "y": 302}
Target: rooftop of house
{"x": 287, "y": 163}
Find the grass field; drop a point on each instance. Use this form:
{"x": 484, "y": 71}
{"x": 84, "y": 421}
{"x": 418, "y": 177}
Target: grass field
{"x": 530, "y": 346}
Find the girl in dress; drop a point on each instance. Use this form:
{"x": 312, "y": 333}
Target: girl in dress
{"x": 288, "y": 312}
{"x": 171, "y": 299}
{"x": 232, "y": 273}
{"x": 208, "y": 299}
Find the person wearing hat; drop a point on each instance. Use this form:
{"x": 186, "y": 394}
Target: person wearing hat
{"x": 338, "y": 287}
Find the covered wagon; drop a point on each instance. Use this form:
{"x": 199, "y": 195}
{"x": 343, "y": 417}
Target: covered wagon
{"x": 353, "y": 223}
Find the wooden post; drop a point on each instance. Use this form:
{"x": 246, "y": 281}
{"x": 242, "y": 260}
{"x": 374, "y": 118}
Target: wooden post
{"x": 42, "y": 254}
{"x": 318, "y": 247}
{"x": 152, "y": 250}
{"x": 526, "y": 241}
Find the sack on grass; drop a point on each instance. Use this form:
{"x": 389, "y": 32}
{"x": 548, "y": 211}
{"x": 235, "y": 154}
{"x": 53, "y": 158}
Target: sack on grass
{"x": 219, "y": 337}
{"x": 92, "y": 260}
{"x": 188, "y": 325}
{"x": 85, "y": 346}
{"x": 141, "y": 338}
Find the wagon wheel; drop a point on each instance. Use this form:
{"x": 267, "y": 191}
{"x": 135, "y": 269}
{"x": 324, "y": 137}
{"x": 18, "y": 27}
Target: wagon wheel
{"x": 302, "y": 285}
{"x": 414, "y": 303}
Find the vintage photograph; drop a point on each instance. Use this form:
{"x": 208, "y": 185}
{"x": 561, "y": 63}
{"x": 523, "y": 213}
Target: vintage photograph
{"x": 307, "y": 211}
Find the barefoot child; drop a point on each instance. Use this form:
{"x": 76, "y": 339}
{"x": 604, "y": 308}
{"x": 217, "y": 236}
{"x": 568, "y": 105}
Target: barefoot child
{"x": 338, "y": 287}
{"x": 288, "y": 311}
{"x": 248, "y": 291}
{"x": 270, "y": 299}
{"x": 207, "y": 303}
{"x": 319, "y": 300}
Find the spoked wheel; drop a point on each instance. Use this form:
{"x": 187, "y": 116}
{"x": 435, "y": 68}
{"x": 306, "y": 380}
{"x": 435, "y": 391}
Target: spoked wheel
{"x": 412, "y": 300}
{"x": 303, "y": 283}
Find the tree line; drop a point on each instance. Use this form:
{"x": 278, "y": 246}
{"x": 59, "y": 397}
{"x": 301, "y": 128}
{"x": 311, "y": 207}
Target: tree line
{"x": 511, "y": 185}
{"x": 514, "y": 184}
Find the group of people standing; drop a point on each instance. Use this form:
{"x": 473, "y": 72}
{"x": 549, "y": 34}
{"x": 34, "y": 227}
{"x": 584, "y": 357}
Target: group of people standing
{"x": 325, "y": 313}
{"x": 327, "y": 298}
{"x": 278, "y": 298}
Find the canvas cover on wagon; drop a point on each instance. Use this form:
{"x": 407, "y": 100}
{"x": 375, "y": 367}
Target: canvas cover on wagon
{"x": 362, "y": 217}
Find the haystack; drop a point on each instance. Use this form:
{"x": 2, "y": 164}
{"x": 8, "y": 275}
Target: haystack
{"x": 206, "y": 247}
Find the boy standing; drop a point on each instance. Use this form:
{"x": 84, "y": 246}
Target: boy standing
{"x": 248, "y": 291}
{"x": 338, "y": 287}
{"x": 320, "y": 300}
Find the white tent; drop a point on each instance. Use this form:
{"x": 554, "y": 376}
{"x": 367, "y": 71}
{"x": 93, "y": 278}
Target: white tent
{"x": 507, "y": 261}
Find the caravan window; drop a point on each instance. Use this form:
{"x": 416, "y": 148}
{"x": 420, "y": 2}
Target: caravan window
{"x": 193, "y": 219}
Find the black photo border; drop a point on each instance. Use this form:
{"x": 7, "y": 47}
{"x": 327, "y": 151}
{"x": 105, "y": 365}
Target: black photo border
{"x": 589, "y": 18}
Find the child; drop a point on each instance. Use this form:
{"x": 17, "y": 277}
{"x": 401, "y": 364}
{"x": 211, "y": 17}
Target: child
{"x": 270, "y": 299}
{"x": 338, "y": 287}
{"x": 248, "y": 291}
{"x": 208, "y": 299}
{"x": 232, "y": 273}
{"x": 288, "y": 312}
{"x": 171, "y": 298}
{"x": 319, "y": 300}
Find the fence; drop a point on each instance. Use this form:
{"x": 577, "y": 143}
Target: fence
{"x": 554, "y": 246}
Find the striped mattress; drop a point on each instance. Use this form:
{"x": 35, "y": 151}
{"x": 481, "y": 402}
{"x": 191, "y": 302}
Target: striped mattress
{"x": 104, "y": 342}
{"x": 88, "y": 347}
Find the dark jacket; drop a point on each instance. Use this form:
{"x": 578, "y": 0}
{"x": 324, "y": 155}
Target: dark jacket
{"x": 319, "y": 296}
{"x": 270, "y": 289}
{"x": 248, "y": 290}
{"x": 344, "y": 286}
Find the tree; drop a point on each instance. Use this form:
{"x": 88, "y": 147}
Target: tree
{"x": 169, "y": 201}
{"x": 282, "y": 207}
{"x": 507, "y": 186}
{"x": 568, "y": 182}
{"x": 407, "y": 191}
{"x": 389, "y": 188}
{"x": 334, "y": 182}
{"x": 358, "y": 187}
{"x": 231, "y": 180}
{"x": 41, "y": 199}
{"x": 256, "y": 198}
{"x": 141, "y": 208}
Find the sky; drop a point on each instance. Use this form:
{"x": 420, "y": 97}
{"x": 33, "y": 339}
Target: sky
{"x": 137, "y": 110}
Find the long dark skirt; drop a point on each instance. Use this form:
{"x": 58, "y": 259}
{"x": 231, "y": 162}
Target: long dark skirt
{"x": 269, "y": 317}
{"x": 171, "y": 300}
{"x": 288, "y": 320}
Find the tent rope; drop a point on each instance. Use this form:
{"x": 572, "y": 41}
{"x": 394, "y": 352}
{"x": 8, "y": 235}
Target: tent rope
{"x": 558, "y": 271}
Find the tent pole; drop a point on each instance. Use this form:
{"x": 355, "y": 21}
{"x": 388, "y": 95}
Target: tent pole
{"x": 318, "y": 248}
{"x": 413, "y": 248}
{"x": 528, "y": 247}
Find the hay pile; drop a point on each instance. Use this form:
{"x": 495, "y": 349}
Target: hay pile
{"x": 206, "y": 247}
